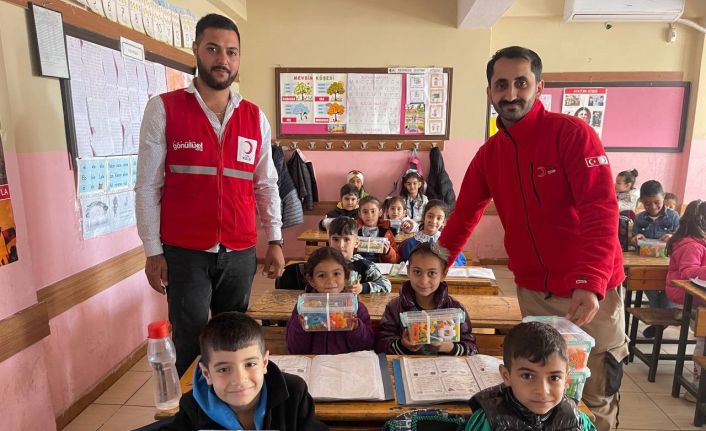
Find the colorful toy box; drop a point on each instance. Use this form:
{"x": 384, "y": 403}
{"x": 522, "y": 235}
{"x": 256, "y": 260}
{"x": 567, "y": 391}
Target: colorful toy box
{"x": 430, "y": 326}
{"x": 375, "y": 244}
{"x": 652, "y": 248}
{"x": 578, "y": 342}
{"x": 328, "y": 311}
{"x": 575, "y": 383}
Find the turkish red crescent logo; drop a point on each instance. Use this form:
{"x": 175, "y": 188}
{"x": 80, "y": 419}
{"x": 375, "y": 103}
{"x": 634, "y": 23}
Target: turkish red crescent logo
{"x": 250, "y": 147}
{"x": 541, "y": 172}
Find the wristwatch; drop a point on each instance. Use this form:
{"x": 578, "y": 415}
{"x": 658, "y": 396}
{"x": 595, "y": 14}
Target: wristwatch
{"x": 279, "y": 242}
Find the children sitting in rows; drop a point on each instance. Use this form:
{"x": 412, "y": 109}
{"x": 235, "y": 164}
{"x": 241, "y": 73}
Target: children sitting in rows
{"x": 236, "y": 386}
{"x": 535, "y": 373}
{"x": 435, "y": 213}
{"x": 365, "y": 276}
{"x": 327, "y": 272}
{"x": 372, "y": 226}
{"x": 356, "y": 179}
{"x": 425, "y": 290}
{"x": 625, "y": 189}
{"x": 347, "y": 206}
{"x": 395, "y": 210}
{"x": 413, "y": 194}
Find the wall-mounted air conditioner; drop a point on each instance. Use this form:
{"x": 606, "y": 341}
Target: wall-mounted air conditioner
{"x": 623, "y": 10}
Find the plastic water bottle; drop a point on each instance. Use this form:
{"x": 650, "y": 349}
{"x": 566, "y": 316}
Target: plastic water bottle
{"x": 162, "y": 358}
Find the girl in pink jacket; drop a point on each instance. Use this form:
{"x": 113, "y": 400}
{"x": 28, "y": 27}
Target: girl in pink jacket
{"x": 687, "y": 259}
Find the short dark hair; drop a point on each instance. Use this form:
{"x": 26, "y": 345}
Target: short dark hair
{"x": 343, "y": 225}
{"x": 671, "y": 196}
{"x": 651, "y": 188}
{"x": 230, "y": 332}
{"x": 629, "y": 176}
{"x": 430, "y": 249}
{"x": 213, "y": 20}
{"x": 349, "y": 189}
{"x": 534, "y": 341}
{"x": 326, "y": 253}
{"x": 516, "y": 52}
{"x": 368, "y": 199}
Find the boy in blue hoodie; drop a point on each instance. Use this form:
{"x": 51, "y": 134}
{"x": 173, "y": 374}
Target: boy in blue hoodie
{"x": 237, "y": 388}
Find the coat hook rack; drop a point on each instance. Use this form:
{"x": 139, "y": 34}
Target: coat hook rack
{"x": 434, "y": 144}
{"x": 295, "y": 145}
{"x": 364, "y": 145}
{"x": 329, "y": 145}
{"x": 381, "y": 145}
{"x": 346, "y": 145}
{"x": 277, "y": 143}
{"x": 399, "y": 145}
{"x": 312, "y": 145}
{"x": 416, "y": 146}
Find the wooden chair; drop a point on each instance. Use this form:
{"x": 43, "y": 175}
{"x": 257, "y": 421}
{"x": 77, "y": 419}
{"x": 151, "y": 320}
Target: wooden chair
{"x": 700, "y": 360}
{"x": 660, "y": 318}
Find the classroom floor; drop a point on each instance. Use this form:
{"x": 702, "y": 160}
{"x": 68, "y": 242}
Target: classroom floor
{"x": 128, "y": 404}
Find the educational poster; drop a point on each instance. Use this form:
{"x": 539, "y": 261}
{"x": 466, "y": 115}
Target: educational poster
{"x": 297, "y": 97}
{"x": 8, "y": 229}
{"x": 436, "y": 102}
{"x": 414, "y": 109}
{"x": 94, "y": 216}
{"x": 588, "y": 104}
{"x": 330, "y": 99}
{"x": 92, "y": 173}
{"x": 374, "y": 103}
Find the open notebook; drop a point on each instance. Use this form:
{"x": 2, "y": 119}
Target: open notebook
{"x": 357, "y": 376}
{"x": 444, "y": 379}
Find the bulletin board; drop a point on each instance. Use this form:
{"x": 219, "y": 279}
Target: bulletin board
{"x": 638, "y": 116}
{"x": 104, "y": 101}
{"x": 363, "y": 103}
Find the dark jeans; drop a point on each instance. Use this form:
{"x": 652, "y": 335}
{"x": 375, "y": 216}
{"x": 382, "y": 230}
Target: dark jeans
{"x": 199, "y": 281}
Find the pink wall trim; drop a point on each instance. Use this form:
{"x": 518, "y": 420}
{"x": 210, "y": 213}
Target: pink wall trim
{"x": 93, "y": 337}
{"x": 694, "y": 184}
{"x": 382, "y": 168}
{"x": 26, "y": 404}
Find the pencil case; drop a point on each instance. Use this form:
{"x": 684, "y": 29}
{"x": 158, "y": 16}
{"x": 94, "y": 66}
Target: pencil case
{"x": 425, "y": 327}
{"x": 328, "y": 311}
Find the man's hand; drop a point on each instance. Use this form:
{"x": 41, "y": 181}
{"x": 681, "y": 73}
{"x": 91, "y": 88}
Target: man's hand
{"x": 156, "y": 271}
{"x": 583, "y": 308}
{"x": 274, "y": 261}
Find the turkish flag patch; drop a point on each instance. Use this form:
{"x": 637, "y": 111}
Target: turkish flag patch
{"x": 596, "y": 161}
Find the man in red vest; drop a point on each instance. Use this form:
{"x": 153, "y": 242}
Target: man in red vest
{"x": 204, "y": 172}
{"x": 550, "y": 180}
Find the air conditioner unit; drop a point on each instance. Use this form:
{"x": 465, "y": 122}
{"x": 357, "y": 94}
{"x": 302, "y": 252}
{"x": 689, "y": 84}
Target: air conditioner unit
{"x": 623, "y": 10}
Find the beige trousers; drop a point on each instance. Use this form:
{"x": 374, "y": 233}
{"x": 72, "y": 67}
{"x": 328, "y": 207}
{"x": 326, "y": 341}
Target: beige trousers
{"x": 605, "y": 360}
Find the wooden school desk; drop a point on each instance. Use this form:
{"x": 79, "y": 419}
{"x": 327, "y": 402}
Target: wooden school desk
{"x": 350, "y": 415}
{"x": 642, "y": 272}
{"x": 691, "y": 291}
{"x": 457, "y": 285}
{"x": 485, "y": 311}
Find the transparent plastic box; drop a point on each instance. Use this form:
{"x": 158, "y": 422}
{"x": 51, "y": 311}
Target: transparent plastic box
{"x": 375, "y": 244}
{"x": 328, "y": 311}
{"x": 575, "y": 383}
{"x": 430, "y": 326}
{"x": 578, "y": 342}
{"x": 652, "y": 248}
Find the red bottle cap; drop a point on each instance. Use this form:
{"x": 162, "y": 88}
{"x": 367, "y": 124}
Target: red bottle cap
{"x": 159, "y": 329}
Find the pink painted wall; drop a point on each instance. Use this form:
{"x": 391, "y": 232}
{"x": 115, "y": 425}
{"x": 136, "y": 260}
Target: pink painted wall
{"x": 382, "y": 168}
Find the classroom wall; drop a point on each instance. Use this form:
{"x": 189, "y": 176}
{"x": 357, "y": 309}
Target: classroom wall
{"x": 410, "y": 33}
{"x": 91, "y": 338}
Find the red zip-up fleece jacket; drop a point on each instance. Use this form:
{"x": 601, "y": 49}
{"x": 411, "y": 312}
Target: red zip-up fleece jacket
{"x": 553, "y": 189}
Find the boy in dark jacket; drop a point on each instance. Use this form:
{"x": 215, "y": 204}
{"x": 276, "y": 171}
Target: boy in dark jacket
{"x": 531, "y": 397}
{"x": 236, "y": 387}
{"x": 348, "y": 206}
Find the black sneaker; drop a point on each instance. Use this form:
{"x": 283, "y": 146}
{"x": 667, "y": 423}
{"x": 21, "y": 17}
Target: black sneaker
{"x": 650, "y": 331}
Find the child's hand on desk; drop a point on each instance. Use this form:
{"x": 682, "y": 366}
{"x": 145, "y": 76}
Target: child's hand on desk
{"x": 637, "y": 238}
{"x": 442, "y": 346}
{"x": 406, "y": 226}
{"x": 665, "y": 237}
{"x": 407, "y": 342}
{"x": 356, "y": 288}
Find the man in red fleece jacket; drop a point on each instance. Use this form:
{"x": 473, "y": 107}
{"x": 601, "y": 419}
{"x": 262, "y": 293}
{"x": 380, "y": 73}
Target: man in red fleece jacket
{"x": 553, "y": 189}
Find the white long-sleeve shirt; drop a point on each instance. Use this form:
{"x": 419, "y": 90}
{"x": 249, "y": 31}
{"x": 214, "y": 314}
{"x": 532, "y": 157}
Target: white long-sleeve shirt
{"x": 150, "y": 172}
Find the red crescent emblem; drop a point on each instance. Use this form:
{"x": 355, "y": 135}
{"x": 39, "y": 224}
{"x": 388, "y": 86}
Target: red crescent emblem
{"x": 250, "y": 148}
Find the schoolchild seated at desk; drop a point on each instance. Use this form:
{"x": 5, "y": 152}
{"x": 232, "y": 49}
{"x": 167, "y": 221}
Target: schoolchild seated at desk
{"x": 425, "y": 290}
{"x": 347, "y": 206}
{"x": 434, "y": 217}
{"x": 535, "y": 373}
{"x": 395, "y": 212}
{"x": 371, "y": 226}
{"x": 233, "y": 350}
{"x": 327, "y": 272}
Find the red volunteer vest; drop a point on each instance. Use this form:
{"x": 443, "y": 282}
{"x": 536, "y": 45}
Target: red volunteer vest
{"x": 208, "y": 195}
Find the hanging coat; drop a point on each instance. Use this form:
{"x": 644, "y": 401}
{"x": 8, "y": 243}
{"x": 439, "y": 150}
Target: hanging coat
{"x": 439, "y": 184}
{"x": 302, "y": 180}
{"x": 292, "y": 211}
